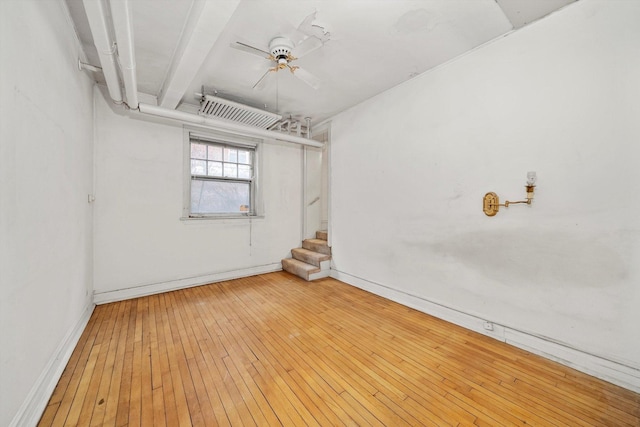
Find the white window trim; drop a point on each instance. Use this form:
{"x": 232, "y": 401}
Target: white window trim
{"x": 223, "y": 138}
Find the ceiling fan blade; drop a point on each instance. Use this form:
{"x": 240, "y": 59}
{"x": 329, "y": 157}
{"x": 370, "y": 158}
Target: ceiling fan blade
{"x": 308, "y": 45}
{"x": 258, "y": 84}
{"x": 306, "y": 77}
{"x": 245, "y": 47}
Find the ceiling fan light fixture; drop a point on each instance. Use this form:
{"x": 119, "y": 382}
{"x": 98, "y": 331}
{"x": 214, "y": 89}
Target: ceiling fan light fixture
{"x": 280, "y": 48}
{"x": 281, "y": 53}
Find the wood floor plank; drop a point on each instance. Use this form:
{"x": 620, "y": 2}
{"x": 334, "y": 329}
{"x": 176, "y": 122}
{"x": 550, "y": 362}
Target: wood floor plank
{"x": 82, "y": 407}
{"x": 78, "y": 402}
{"x": 75, "y": 371}
{"x": 86, "y": 339}
{"x": 293, "y": 408}
{"x": 530, "y": 415}
{"x": 234, "y": 403}
{"x": 182, "y": 353}
{"x": 274, "y": 350}
{"x": 305, "y": 376}
{"x": 459, "y": 415}
{"x": 259, "y": 407}
{"x": 165, "y": 384}
{"x": 297, "y": 364}
{"x": 124, "y": 394}
{"x": 96, "y": 411}
{"x": 171, "y": 378}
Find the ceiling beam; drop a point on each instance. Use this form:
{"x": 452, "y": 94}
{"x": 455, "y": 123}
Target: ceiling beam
{"x": 206, "y": 21}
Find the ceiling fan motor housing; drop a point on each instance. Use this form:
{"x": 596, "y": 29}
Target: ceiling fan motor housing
{"x": 280, "y": 48}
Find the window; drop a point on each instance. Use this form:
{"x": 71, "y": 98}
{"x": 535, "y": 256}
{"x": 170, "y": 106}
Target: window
{"x": 222, "y": 178}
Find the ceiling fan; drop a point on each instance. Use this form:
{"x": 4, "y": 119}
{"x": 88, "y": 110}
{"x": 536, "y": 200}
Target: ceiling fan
{"x": 282, "y": 52}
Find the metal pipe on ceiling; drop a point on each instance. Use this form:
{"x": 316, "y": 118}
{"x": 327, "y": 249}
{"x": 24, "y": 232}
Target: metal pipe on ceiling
{"x": 105, "y": 46}
{"x": 124, "y": 33}
{"x": 225, "y": 126}
{"x": 121, "y": 13}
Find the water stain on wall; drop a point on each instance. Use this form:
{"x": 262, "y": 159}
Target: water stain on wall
{"x": 546, "y": 258}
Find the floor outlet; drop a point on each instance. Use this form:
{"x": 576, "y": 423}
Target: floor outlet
{"x": 488, "y": 326}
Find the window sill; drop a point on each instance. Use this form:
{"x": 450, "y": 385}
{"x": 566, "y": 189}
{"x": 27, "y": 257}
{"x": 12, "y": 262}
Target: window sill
{"x": 214, "y": 218}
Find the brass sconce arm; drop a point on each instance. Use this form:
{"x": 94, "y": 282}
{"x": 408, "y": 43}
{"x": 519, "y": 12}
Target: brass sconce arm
{"x": 529, "y": 197}
{"x": 491, "y": 202}
{"x": 507, "y": 203}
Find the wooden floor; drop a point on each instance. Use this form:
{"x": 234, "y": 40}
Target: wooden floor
{"x": 274, "y": 350}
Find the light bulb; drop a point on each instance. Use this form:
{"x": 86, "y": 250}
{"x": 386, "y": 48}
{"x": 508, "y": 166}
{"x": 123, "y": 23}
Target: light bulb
{"x": 531, "y": 178}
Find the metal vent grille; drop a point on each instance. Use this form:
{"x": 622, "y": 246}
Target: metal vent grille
{"x": 229, "y": 110}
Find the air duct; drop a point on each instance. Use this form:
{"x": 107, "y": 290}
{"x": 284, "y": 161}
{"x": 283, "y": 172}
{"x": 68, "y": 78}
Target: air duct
{"x": 225, "y": 126}
{"x": 229, "y": 110}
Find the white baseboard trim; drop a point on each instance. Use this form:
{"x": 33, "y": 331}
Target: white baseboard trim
{"x": 34, "y": 405}
{"x": 614, "y": 372}
{"x": 172, "y": 285}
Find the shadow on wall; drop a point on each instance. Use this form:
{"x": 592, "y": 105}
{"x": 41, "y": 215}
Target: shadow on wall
{"x": 544, "y": 257}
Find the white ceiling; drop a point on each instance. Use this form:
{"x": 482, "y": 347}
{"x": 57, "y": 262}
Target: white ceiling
{"x": 369, "y": 46}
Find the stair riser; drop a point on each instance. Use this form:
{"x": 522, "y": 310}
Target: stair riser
{"x": 323, "y": 249}
{"x": 321, "y": 235}
{"x": 310, "y": 276}
{"x": 301, "y": 274}
{"x": 301, "y": 256}
{"x": 304, "y": 274}
{"x": 319, "y": 275}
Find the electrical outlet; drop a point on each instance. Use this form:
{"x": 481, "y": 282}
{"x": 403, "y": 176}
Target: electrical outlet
{"x": 488, "y": 326}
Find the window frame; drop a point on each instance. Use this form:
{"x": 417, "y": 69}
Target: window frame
{"x": 226, "y": 140}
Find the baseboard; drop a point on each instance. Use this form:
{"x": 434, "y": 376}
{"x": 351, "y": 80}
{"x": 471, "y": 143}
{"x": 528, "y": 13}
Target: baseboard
{"x": 172, "y": 285}
{"x": 614, "y": 372}
{"x": 34, "y": 405}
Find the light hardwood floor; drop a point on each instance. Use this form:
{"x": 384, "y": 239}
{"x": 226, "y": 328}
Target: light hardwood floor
{"x": 275, "y": 350}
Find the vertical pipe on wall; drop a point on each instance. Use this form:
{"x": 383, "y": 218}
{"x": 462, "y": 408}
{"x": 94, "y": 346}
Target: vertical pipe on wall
{"x": 304, "y": 193}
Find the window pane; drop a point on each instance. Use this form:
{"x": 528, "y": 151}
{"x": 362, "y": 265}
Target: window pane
{"x": 215, "y": 168}
{"x": 219, "y": 197}
{"x": 230, "y": 170}
{"x": 244, "y": 157}
{"x": 214, "y": 152}
{"x": 230, "y": 155}
{"x": 198, "y": 151}
{"x": 198, "y": 167}
{"x": 244, "y": 171}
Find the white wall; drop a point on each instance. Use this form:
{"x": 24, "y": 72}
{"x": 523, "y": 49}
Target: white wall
{"x": 410, "y": 168}
{"x": 46, "y": 140}
{"x": 142, "y": 246}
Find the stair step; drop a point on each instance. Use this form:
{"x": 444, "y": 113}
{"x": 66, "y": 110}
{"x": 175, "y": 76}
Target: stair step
{"x": 310, "y": 257}
{"x": 317, "y": 245}
{"x": 299, "y": 268}
{"x": 312, "y": 261}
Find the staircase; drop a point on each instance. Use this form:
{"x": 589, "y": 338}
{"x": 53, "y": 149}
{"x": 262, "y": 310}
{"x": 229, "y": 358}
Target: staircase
{"x": 311, "y": 261}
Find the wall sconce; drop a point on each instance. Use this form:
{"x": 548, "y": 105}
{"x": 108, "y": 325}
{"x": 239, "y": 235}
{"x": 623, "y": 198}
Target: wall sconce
{"x": 491, "y": 202}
